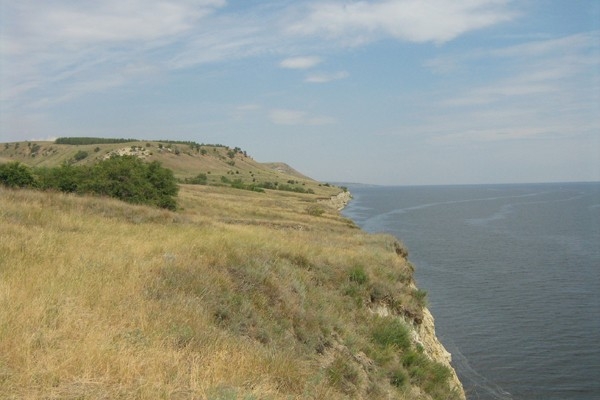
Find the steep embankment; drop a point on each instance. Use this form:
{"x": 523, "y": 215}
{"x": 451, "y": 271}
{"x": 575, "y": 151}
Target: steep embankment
{"x": 238, "y": 294}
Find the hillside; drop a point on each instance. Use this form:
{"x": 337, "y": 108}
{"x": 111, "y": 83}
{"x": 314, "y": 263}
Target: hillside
{"x": 221, "y": 165}
{"x": 236, "y": 295}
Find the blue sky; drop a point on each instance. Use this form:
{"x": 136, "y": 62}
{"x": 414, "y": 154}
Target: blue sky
{"x": 387, "y": 92}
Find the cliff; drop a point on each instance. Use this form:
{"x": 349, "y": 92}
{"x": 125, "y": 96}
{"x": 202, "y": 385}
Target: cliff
{"x": 339, "y": 201}
{"x": 421, "y": 323}
{"x": 237, "y": 294}
{"x": 434, "y": 349}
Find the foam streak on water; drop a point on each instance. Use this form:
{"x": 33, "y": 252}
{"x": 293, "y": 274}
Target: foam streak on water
{"x": 513, "y": 276}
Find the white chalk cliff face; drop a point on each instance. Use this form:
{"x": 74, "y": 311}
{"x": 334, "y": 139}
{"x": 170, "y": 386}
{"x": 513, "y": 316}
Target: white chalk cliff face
{"x": 422, "y": 327}
{"x": 340, "y": 201}
{"x": 425, "y": 334}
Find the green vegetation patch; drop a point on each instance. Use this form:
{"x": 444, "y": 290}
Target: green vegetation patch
{"x": 16, "y": 175}
{"x": 391, "y": 332}
{"x": 126, "y": 178}
{"x": 91, "y": 140}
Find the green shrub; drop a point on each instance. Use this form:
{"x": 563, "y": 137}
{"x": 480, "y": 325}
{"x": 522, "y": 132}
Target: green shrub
{"x": 358, "y": 275}
{"x": 200, "y": 179}
{"x": 90, "y": 140}
{"x": 65, "y": 178}
{"x": 420, "y": 296}
{"x": 126, "y": 178}
{"x": 15, "y": 174}
{"x": 343, "y": 374}
{"x": 80, "y": 155}
{"x": 268, "y": 185}
{"x": 398, "y": 377}
{"x": 238, "y": 184}
{"x": 431, "y": 376}
{"x": 390, "y": 332}
{"x": 34, "y": 149}
{"x": 315, "y": 210}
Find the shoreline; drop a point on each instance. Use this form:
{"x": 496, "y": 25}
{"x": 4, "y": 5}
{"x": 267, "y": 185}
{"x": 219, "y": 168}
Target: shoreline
{"x": 340, "y": 200}
{"x": 423, "y": 333}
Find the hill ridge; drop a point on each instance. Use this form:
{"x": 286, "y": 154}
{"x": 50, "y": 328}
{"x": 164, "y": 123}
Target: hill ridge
{"x": 219, "y": 164}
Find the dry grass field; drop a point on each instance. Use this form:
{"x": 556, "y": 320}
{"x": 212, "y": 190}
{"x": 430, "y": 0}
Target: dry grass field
{"x": 238, "y": 295}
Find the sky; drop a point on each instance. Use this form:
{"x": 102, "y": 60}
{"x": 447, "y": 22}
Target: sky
{"x": 391, "y": 92}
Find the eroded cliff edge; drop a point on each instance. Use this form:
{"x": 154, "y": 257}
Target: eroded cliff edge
{"x": 239, "y": 294}
{"x": 421, "y": 322}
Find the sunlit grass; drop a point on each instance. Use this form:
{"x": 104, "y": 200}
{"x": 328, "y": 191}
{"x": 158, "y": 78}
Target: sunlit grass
{"x": 238, "y": 295}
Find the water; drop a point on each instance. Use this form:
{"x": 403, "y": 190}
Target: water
{"x": 513, "y": 277}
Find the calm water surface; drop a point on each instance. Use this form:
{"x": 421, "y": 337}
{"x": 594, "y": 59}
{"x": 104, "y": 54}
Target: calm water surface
{"x": 513, "y": 276}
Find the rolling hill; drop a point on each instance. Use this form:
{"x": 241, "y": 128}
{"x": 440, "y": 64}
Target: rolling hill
{"x": 221, "y": 164}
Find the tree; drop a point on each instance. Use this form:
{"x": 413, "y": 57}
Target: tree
{"x": 80, "y": 155}
{"x": 15, "y": 174}
{"x": 130, "y": 179}
{"x": 66, "y": 178}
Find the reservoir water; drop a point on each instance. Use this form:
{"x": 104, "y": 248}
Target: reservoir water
{"x": 513, "y": 279}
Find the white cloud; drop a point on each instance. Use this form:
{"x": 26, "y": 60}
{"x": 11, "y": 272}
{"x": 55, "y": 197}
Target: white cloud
{"x": 413, "y": 20}
{"x": 287, "y": 117}
{"x": 248, "y": 107}
{"x": 44, "y": 139}
{"x": 490, "y": 94}
{"x": 321, "y": 120}
{"x": 563, "y": 45}
{"x": 219, "y": 44}
{"x": 489, "y": 135}
{"x": 326, "y": 77}
{"x": 68, "y": 24}
{"x": 296, "y": 117}
{"x": 534, "y": 71}
{"x": 51, "y": 46}
{"x": 245, "y": 110}
{"x": 55, "y": 47}
{"x": 300, "y": 62}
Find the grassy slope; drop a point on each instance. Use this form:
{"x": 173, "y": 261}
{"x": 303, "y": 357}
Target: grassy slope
{"x": 186, "y": 162}
{"x": 237, "y": 295}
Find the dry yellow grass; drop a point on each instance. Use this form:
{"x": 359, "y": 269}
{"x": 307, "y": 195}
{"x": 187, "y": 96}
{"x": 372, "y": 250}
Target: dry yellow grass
{"x": 239, "y": 295}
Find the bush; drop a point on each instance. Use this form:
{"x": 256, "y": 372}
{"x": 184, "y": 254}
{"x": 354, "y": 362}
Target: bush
{"x": 80, "y": 155}
{"x": 200, "y": 179}
{"x": 420, "y": 296}
{"x": 65, "y": 178}
{"x": 315, "y": 210}
{"x": 34, "y": 149}
{"x": 343, "y": 374}
{"x": 268, "y": 185}
{"x": 391, "y": 332}
{"x": 126, "y": 178}
{"x": 90, "y": 140}
{"x": 358, "y": 275}
{"x": 15, "y": 174}
{"x": 428, "y": 374}
{"x": 130, "y": 179}
{"x": 398, "y": 377}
